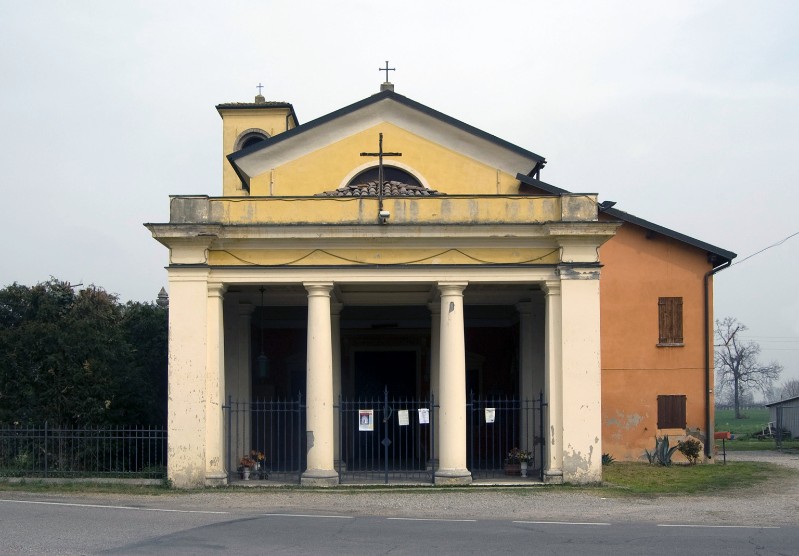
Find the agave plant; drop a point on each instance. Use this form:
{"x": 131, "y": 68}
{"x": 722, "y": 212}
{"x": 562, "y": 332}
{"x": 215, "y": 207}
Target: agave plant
{"x": 662, "y": 452}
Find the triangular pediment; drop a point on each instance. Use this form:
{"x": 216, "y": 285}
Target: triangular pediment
{"x": 423, "y": 133}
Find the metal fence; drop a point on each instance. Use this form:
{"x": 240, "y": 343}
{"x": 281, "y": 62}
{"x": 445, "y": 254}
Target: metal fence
{"x": 273, "y": 428}
{"x": 386, "y": 439}
{"x": 47, "y": 451}
{"x": 495, "y": 426}
{"x": 787, "y": 425}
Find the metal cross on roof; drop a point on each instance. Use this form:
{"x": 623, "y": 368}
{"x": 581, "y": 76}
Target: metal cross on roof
{"x": 380, "y": 181}
{"x": 386, "y": 69}
{"x": 259, "y": 87}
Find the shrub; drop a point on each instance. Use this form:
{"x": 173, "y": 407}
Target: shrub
{"x": 607, "y": 459}
{"x": 691, "y": 449}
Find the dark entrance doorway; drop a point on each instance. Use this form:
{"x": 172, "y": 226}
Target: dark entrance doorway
{"x": 374, "y": 371}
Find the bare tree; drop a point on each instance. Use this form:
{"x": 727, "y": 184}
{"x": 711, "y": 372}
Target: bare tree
{"x": 790, "y": 389}
{"x": 737, "y": 366}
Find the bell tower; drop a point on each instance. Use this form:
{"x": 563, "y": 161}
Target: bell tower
{"x": 244, "y": 125}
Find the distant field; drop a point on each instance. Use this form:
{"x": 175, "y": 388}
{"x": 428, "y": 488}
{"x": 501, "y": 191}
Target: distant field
{"x": 754, "y": 420}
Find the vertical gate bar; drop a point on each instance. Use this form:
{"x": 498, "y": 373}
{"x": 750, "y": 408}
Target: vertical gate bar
{"x": 299, "y": 437}
{"x": 229, "y": 433}
{"x": 541, "y": 432}
{"x": 46, "y": 463}
{"x": 432, "y": 439}
{"x": 385, "y": 433}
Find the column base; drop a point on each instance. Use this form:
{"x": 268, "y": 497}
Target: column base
{"x": 453, "y": 477}
{"x": 553, "y": 476}
{"x": 319, "y": 478}
{"x": 215, "y": 479}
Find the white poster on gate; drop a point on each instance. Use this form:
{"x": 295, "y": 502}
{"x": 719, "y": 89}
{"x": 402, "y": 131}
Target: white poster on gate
{"x": 402, "y": 417}
{"x": 490, "y": 414}
{"x": 424, "y": 416}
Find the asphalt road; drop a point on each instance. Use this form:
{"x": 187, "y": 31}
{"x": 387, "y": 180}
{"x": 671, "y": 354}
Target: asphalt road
{"x": 60, "y": 525}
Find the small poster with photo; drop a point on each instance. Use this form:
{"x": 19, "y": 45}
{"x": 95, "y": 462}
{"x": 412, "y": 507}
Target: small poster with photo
{"x": 490, "y": 414}
{"x": 366, "y": 420}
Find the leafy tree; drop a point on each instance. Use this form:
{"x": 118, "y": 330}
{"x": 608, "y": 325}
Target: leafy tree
{"x": 70, "y": 357}
{"x": 737, "y": 365}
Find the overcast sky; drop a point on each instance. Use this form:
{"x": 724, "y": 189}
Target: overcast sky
{"x": 684, "y": 113}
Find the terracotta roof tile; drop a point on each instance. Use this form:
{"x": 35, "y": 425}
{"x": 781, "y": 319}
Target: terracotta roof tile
{"x": 390, "y": 189}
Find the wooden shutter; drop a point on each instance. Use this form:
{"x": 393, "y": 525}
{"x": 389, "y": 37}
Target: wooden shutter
{"x": 670, "y": 320}
{"x": 671, "y": 412}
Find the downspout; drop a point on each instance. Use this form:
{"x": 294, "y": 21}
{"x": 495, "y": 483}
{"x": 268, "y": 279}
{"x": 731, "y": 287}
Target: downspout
{"x": 708, "y": 425}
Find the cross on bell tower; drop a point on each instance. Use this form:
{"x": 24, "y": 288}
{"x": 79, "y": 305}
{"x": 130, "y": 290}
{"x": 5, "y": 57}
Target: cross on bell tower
{"x": 387, "y": 85}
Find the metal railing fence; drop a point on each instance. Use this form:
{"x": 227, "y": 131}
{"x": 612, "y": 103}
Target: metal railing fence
{"x": 386, "y": 439}
{"x": 48, "y": 451}
{"x": 497, "y": 425}
{"x": 274, "y": 428}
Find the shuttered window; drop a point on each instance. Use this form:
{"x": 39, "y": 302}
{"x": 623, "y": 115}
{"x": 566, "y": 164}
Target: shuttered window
{"x": 670, "y": 320}
{"x": 671, "y": 412}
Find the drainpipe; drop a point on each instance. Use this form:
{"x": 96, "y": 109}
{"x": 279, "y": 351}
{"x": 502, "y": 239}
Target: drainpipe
{"x": 708, "y": 425}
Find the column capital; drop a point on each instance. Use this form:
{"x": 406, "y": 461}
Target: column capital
{"x": 452, "y": 288}
{"x": 551, "y": 287}
{"x": 318, "y": 288}
{"x": 216, "y": 289}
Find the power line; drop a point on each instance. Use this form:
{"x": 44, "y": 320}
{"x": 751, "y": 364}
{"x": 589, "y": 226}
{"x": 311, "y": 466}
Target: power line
{"x": 780, "y": 242}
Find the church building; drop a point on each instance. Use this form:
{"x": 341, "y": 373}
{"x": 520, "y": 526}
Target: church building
{"x": 387, "y": 251}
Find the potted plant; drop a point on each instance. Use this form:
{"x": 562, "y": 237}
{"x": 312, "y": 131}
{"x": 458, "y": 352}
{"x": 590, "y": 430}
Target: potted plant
{"x": 246, "y": 464}
{"x": 258, "y": 457}
{"x": 517, "y": 461}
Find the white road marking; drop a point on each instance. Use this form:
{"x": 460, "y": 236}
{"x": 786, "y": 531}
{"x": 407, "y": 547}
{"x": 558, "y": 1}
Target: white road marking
{"x": 104, "y": 507}
{"x": 310, "y": 515}
{"x": 430, "y": 519}
{"x": 718, "y": 526}
{"x": 560, "y": 523}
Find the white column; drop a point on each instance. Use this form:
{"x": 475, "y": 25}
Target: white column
{"x": 188, "y": 358}
{"x": 452, "y": 364}
{"x": 335, "y": 334}
{"x": 320, "y": 470}
{"x": 582, "y": 376}
{"x": 435, "y": 390}
{"x": 215, "y": 473}
{"x": 553, "y": 466}
{"x": 526, "y": 393}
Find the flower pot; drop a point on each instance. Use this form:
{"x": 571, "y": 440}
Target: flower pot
{"x": 524, "y": 468}
{"x": 246, "y": 473}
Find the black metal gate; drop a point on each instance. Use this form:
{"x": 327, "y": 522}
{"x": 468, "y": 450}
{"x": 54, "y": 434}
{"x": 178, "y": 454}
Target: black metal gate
{"x": 270, "y": 429}
{"x": 501, "y": 431}
{"x": 386, "y": 439}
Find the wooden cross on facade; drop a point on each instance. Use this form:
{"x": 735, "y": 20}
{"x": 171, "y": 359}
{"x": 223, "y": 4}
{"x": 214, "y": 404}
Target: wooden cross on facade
{"x": 380, "y": 180}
